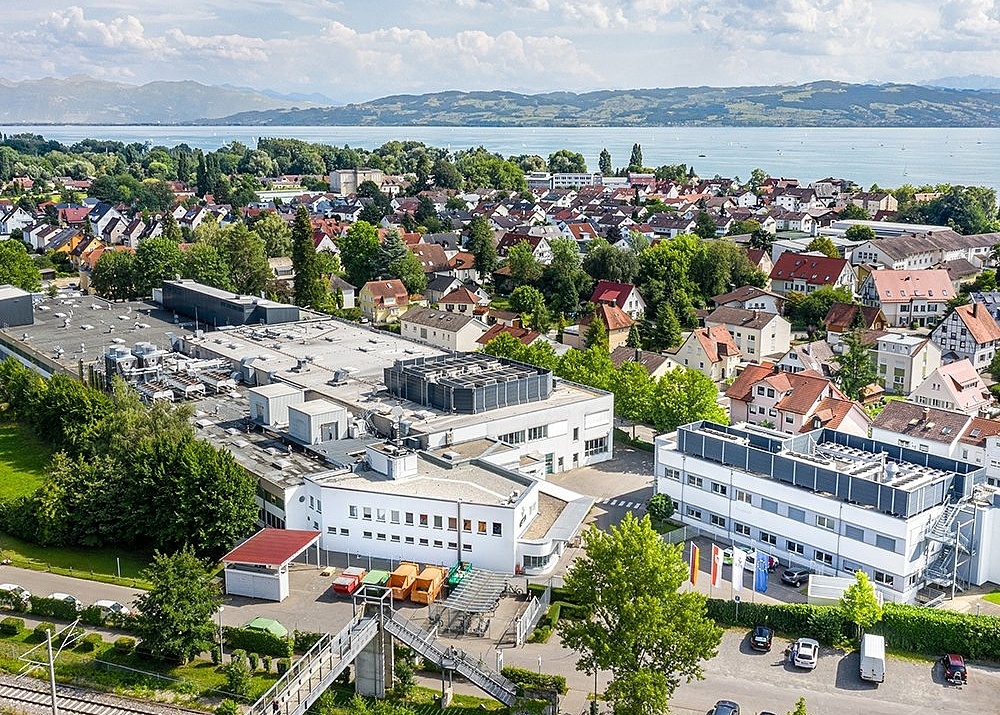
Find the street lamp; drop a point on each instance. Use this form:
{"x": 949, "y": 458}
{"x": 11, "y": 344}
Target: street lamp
{"x": 221, "y": 651}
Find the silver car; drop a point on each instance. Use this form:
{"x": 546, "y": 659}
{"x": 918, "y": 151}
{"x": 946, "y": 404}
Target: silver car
{"x": 805, "y": 653}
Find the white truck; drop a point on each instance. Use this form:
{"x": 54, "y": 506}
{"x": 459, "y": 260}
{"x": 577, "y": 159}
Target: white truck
{"x": 873, "y": 658}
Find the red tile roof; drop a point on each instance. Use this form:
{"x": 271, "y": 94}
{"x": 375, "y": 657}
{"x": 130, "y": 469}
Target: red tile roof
{"x": 932, "y": 284}
{"x": 461, "y": 296}
{"x": 272, "y": 547}
{"x": 526, "y": 336}
{"x": 612, "y": 316}
{"x": 611, "y": 292}
{"x": 716, "y": 342}
{"x": 977, "y": 319}
{"x": 813, "y": 270}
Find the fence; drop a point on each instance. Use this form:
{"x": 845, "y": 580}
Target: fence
{"x": 684, "y": 533}
{"x": 532, "y": 614}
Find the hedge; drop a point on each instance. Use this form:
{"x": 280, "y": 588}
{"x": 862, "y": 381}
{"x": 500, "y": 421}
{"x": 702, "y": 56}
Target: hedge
{"x": 824, "y": 623}
{"x": 253, "y": 641}
{"x": 304, "y": 640}
{"x": 53, "y": 608}
{"x": 13, "y": 602}
{"x": 532, "y": 680}
{"x": 11, "y": 626}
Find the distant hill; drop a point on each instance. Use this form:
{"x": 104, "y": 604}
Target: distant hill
{"x": 969, "y": 81}
{"x": 84, "y": 100}
{"x": 823, "y": 103}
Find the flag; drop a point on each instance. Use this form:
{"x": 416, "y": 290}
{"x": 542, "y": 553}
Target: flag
{"x": 739, "y": 563}
{"x": 761, "y": 562}
{"x": 695, "y": 555}
{"x": 716, "y": 565}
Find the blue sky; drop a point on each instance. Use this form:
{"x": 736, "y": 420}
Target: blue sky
{"x": 362, "y": 49}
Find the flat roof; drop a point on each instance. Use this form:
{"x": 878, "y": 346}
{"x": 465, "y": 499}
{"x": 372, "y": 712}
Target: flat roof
{"x": 274, "y": 389}
{"x": 316, "y": 407}
{"x": 272, "y": 547}
{"x": 9, "y": 291}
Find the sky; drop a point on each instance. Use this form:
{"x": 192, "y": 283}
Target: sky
{"x": 355, "y": 50}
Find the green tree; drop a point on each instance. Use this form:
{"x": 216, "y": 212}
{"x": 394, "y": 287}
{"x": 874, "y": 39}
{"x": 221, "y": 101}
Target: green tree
{"x": 667, "y": 330}
{"x": 204, "y": 263}
{"x": 635, "y": 160}
{"x": 596, "y": 335}
{"x": 17, "y": 268}
{"x": 604, "y": 163}
{"x": 243, "y": 251}
{"x": 564, "y": 281}
{"x": 860, "y": 232}
{"x": 277, "y": 234}
{"x": 800, "y": 707}
{"x": 606, "y": 262}
{"x": 482, "y": 247}
{"x": 856, "y": 366}
{"x": 684, "y": 395}
{"x": 391, "y": 251}
{"x": 526, "y": 299}
{"x": 808, "y": 310}
{"x": 705, "y": 227}
{"x": 156, "y": 260}
{"x": 170, "y": 229}
{"x": 113, "y": 276}
{"x": 757, "y": 178}
{"x": 565, "y": 161}
{"x": 410, "y": 270}
{"x": 175, "y": 615}
{"x": 824, "y": 245}
{"x": 524, "y": 267}
{"x": 995, "y": 367}
{"x": 634, "y": 340}
{"x": 358, "y": 252}
{"x": 860, "y": 604}
{"x": 855, "y": 212}
{"x": 660, "y": 507}
{"x": 239, "y": 679}
{"x": 310, "y": 289}
{"x": 640, "y": 626}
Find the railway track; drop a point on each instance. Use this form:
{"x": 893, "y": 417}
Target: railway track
{"x": 32, "y": 697}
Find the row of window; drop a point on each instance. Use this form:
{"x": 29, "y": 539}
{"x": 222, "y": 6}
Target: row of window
{"x": 424, "y": 520}
{"x": 396, "y": 539}
{"x": 532, "y": 434}
{"x": 598, "y": 445}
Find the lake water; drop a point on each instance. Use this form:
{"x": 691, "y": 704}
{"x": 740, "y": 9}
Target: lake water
{"x": 888, "y": 157}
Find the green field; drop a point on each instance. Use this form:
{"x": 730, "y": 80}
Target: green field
{"x": 23, "y": 458}
{"x": 92, "y": 564}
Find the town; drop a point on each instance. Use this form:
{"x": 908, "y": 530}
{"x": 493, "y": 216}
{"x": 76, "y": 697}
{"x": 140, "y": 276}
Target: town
{"x": 358, "y": 378}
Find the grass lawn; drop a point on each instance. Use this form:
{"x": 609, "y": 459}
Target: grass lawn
{"x": 23, "y": 458}
{"x": 93, "y": 564}
{"x": 993, "y": 597}
{"x": 665, "y": 526}
{"x": 421, "y": 701}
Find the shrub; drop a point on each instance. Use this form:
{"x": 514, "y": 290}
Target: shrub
{"x": 303, "y": 641}
{"x": 254, "y": 661}
{"x": 227, "y": 707}
{"x": 11, "y": 626}
{"x": 238, "y": 655}
{"x": 124, "y": 645}
{"x": 216, "y": 654}
{"x": 90, "y": 643}
{"x": 266, "y": 663}
{"x": 260, "y": 642}
{"x": 660, "y": 507}
{"x": 53, "y": 608}
{"x": 13, "y": 602}
{"x": 531, "y": 679}
{"x": 541, "y": 634}
{"x": 239, "y": 680}
{"x": 39, "y": 630}
{"x": 283, "y": 665}
{"x": 92, "y": 615}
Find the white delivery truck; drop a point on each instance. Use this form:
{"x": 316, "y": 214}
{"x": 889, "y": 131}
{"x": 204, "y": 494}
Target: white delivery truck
{"x": 873, "y": 658}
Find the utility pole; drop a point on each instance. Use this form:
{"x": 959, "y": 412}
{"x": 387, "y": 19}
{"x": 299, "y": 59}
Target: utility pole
{"x": 52, "y": 672}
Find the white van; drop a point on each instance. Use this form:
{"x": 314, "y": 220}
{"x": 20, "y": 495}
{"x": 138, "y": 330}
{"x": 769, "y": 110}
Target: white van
{"x": 873, "y": 658}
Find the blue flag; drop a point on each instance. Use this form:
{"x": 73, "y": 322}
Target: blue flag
{"x": 761, "y": 562}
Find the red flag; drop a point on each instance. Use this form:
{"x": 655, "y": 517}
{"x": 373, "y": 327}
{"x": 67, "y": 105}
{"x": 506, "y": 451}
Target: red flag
{"x": 716, "y": 565}
{"x": 695, "y": 554}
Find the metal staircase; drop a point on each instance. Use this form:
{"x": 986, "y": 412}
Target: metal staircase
{"x": 947, "y": 532}
{"x": 449, "y": 658}
{"x": 313, "y": 673}
{"x": 943, "y": 529}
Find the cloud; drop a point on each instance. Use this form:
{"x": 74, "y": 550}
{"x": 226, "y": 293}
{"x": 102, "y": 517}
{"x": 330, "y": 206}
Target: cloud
{"x": 972, "y": 18}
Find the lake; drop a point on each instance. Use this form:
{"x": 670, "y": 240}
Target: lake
{"x": 887, "y": 156}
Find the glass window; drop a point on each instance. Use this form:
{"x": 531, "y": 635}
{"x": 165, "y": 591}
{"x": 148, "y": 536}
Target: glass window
{"x": 452, "y": 523}
{"x": 693, "y": 513}
{"x": 394, "y": 516}
{"x": 794, "y": 547}
{"x": 345, "y": 532}
{"x": 884, "y": 542}
{"x": 409, "y": 518}
{"x": 718, "y": 521}
{"x": 823, "y": 557}
{"x": 380, "y": 537}
{"x": 366, "y": 513}
{"x": 536, "y": 433}
{"x": 423, "y": 520}
{"x": 824, "y": 522}
{"x": 438, "y": 521}
{"x": 366, "y": 535}
{"x": 481, "y": 527}
{"x": 380, "y": 515}
{"x": 882, "y": 578}
{"x": 595, "y": 446}
{"x": 497, "y": 528}
{"x": 466, "y": 547}
{"x": 796, "y": 514}
{"x": 352, "y": 511}
{"x": 853, "y": 532}
{"x": 769, "y": 505}
{"x": 720, "y": 489}
{"x": 425, "y": 542}
{"x": 467, "y": 525}
{"x": 741, "y": 529}
{"x": 695, "y": 481}
{"x": 408, "y": 540}
{"x": 769, "y": 538}
{"x": 394, "y": 538}
{"x": 743, "y": 496}
{"x": 438, "y": 544}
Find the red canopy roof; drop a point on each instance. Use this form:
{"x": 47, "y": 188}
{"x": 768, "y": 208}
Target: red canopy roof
{"x": 272, "y": 547}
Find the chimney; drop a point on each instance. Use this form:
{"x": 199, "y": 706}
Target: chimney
{"x": 975, "y": 310}
{"x": 926, "y": 414}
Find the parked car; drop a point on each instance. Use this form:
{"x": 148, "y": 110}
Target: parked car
{"x": 805, "y": 653}
{"x": 24, "y": 593}
{"x": 113, "y": 608}
{"x": 726, "y": 707}
{"x": 795, "y": 576}
{"x": 954, "y": 669}
{"x": 67, "y": 598}
{"x": 760, "y": 638}
{"x": 727, "y": 554}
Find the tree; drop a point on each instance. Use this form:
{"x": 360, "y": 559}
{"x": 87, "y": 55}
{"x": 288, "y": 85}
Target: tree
{"x": 526, "y": 299}
{"x": 995, "y": 367}
{"x": 684, "y": 395}
{"x": 853, "y": 211}
{"x": 565, "y": 161}
{"x": 808, "y": 311}
{"x": 860, "y": 605}
{"x": 175, "y": 615}
{"x": 482, "y": 247}
{"x": 596, "y": 335}
{"x": 639, "y": 625}
{"x": 358, "y": 250}
{"x": 276, "y": 233}
{"x": 239, "y": 679}
{"x": 667, "y": 332}
{"x": 157, "y": 259}
{"x": 564, "y": 281}
{"x": 634, "y": 339}
{"x": 660, "y": 507}
{"x": 170, "y": 229}
{"x": 824, "y": 245}
{"x": 800, "y": 707}
{"x": 310, "y": 290}
{"x": 113, "y": 276}
{"x": 704, "y": 226}
{"x": 635, "y": 160}
{"x": 860, "y": 232}
{"x": 17, "y": 268}
{"x": 524, "y": 267}
{"x": 604, "y": 163}
{"x": 857, "y": 369}
{"x": 606, "y": 262}
{"x": 391, "y": 251}
{"x": 204, "y": 263}
{"x": 757, "y": 178}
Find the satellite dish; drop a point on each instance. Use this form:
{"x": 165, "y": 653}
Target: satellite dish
{"x": 397, "y": 413}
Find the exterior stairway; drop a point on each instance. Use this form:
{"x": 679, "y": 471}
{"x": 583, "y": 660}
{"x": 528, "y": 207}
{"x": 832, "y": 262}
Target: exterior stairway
{"x": 424, "y": 643}
{"x": 943, "y": 530}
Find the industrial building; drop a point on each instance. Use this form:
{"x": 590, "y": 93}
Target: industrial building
{"x": 15, "y": 307}
{"x": 215, "y": 308}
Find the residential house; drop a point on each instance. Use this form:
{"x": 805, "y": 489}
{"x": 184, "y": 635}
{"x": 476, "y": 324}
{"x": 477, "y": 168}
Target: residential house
{"x": 874, "y": 201}
{"x": 760, "y": 260}
{"x": 904, "y": 361}
{"x": 461, "y": 300}
{"x": 343, "y": 292}
{"x": 616, "y": 321}
{"x": 444, "y": 329}
{"x": 804, "y": 273}
{"x": 955, "y": 386}
{"x": 383, "y": 301}
{"x": 656, "y": 364}
{"x": 463, "y": 266}
{"x": 931, "y": 430}
{"x": 795, "y": 198}
{"x": 908, "y": 297}
{"x": 525, "y": 336}
{"x": 757, "y": 334}
{"x": 101, "y": 215}
{"x": 347, "y": 181}
{"x": 13, "y": 219}
{"x": 990, "y": 299}
{"x": 970, "y": 333}
{"x": 539, "y": 246}
{"x": 844, "y": 317}
{"x": 671, "y": 225}
{"x": 440, "y": 285}
{"x": 710, "y": 351}
{"x": 911, "y": 247}
{"x": 793, "y": 402}
{"x": 751, "y": 298}
{"x": 816, "y": 356}
{"x": 432, "y": 257}
{"x": 622, "y": 295}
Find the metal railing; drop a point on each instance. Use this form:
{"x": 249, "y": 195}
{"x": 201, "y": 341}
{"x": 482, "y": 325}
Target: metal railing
{"x": 532, "y": 614}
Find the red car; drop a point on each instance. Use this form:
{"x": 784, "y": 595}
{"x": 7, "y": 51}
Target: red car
{"x": 348, "y": 581}
{"x": 954, "y": 669}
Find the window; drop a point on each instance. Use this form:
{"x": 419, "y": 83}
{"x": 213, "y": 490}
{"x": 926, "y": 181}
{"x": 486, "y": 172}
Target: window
{"x": 352, "y": 511}
{"x": 331, "y": 530}
{"x": 467, "y": 525}
{"x": 345, "y": 532}
{"x": 824, "y": 522}
{"x": 425, "y": 542}
{"x": 789, "y": 419}
{"x": 770, "y": 392}
{"x": 452, "y": 523}
{"x": 366, "y": 513}
{"x": 882, "y": 578}
{"x": 850, "y": 566}
{"x": 718, "y": 521}
{"x": 769, "y": 505}
{"x": 794, "y": 547}
{"x": 366, "y": 534}
{"x": 312, "y": 502}
{"x": 741, "y": 529}
{"x": 769, "y": 538}
{"x": 720, "y": 489}
{"x": 380, "y": 537}
{"x": 576, "y": 434}
{"x": 408, "y": 540}
{"x": 481, "y": 527}
{"x": 595, "y": 446}
{"x": 536, "y": 433}
{"x": 695, "y": 481}
{"x": 796, "y": 514}
{"x": 452, "y": 545}
{"x": 438, "y": 544}
{"x": 497, "y": 528}
{"x": 438, "y": 521}
{"x": 423, "y": 520}
{"x": 853, "y": 532}
{"x": 760, "y": 389}
{"x": 823, "y": 557}
{"x": 884, "y": 542}
{"x": 394, "y": 538}
{"x": 409, "y": 518}
{"x": 380, "y": 515}
{"x": 671, "y": 473}
{"x": 394, "y": 516}
{"x": 466, "y": 547}
{"x": 911, "y": 580}
{"x": 512, "y": 437}
{"x": 694, "y": 513}
{"x": 743, "y": 496}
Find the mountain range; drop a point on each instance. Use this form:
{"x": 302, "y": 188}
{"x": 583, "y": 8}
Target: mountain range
{"x": 83, "y": 100}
